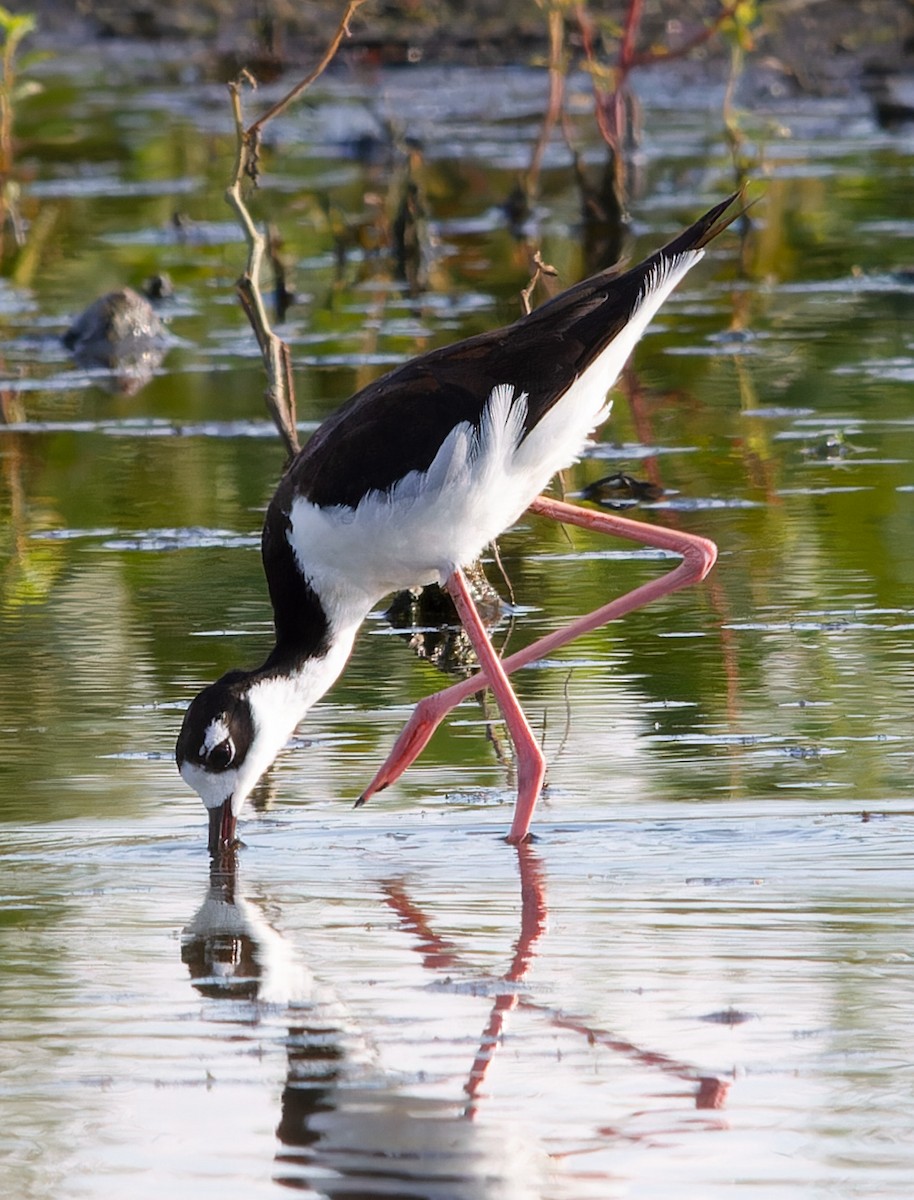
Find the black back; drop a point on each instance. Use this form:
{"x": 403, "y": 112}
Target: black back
{"x": 397, "y": 423}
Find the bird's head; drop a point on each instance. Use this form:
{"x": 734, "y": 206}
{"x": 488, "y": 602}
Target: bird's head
{"x": 235, "y": 728}
{"x": 214, "y": 753}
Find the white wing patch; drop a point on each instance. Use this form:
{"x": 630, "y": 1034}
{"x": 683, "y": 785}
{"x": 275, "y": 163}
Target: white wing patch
{"x": 502, "y": 425}
{"x": 663, "y": 277}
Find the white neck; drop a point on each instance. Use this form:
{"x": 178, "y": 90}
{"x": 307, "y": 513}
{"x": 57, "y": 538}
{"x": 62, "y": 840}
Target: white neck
{"x": 280, "y": 700}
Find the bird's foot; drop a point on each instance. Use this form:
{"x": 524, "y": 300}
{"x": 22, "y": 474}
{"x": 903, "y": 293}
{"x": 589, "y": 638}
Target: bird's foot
{"x": 417, "y": 732}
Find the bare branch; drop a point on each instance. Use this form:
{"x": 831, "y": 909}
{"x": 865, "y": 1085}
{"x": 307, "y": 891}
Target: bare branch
{"x": 329, "y": 54}
{"x": 280, "y": 392}
{"x": 541, "y": 271}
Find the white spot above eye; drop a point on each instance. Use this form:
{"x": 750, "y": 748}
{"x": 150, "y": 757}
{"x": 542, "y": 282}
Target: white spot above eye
{"x": 216, "y": 733}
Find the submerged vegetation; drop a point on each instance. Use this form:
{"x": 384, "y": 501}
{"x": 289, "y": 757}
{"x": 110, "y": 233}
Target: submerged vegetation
{"x": 14, "y": 88}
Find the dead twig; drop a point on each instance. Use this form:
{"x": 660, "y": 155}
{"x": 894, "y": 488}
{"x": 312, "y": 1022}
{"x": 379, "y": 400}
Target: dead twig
{"x": 558, "y": 68}
{"x": 280, "y": 392}
{"x": 541, "y": 271}
{"x": 302, "y": 86}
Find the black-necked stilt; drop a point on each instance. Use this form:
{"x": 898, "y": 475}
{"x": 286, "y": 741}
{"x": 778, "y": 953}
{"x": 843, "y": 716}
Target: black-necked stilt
{"x": 407, "y": 483}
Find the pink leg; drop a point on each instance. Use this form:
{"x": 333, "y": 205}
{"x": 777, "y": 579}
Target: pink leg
{"x": 698, "y": 557}
{"x": 531, "y": 766}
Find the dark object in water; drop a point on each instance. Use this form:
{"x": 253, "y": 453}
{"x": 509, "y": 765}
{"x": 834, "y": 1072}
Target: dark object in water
{"x": 159, "y": 287}
{"x": 622, "y": 490}
{"x": 831, "y": 446}
{"x": 120, "y": 332}
{"x": 890, "y": 86}
{"x": 431, "y": 624}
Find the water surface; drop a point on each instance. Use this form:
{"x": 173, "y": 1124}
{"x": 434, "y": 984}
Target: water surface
{"x": 696, "y": 982}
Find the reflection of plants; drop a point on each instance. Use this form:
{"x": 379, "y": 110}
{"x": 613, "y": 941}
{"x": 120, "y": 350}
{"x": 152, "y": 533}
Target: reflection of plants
{"x": 610, "y": 53}
{"x": 738, "y": 33}
{"x": 610, "y": 80}
{"x": 13, "y": 29}
{"x": 28, "y": 568}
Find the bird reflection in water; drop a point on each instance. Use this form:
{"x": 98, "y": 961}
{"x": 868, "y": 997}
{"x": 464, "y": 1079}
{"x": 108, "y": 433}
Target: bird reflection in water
{"x": 346, "y": 1129}
{"x": 234, "y": 953}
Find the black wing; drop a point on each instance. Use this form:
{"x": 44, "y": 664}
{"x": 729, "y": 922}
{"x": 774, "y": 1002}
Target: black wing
{"x": 398, "y": 423}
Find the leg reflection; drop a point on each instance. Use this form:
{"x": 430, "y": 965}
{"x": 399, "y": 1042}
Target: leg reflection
{"x": 709, "y": 1091}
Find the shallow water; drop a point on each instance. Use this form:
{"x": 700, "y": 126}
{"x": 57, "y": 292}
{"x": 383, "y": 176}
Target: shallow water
{"x": 696, "y": 982}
